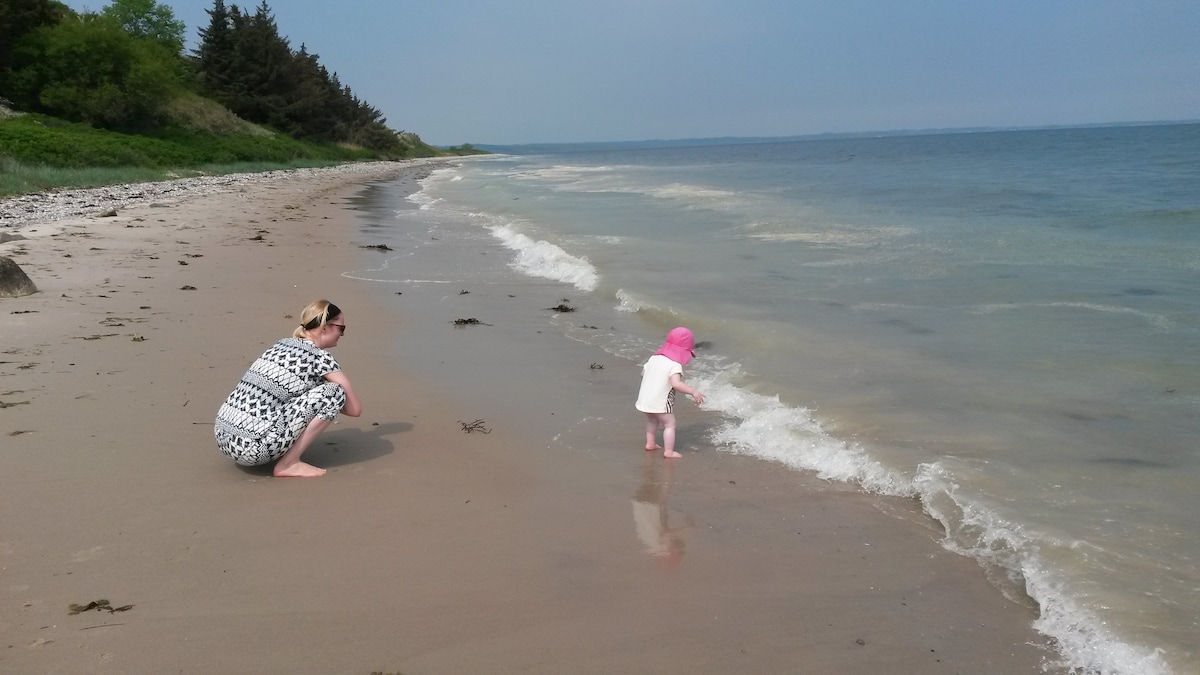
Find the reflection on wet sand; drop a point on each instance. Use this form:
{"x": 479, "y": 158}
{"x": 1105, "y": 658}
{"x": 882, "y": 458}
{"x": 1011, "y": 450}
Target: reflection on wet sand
{"x": 650, "y": 515}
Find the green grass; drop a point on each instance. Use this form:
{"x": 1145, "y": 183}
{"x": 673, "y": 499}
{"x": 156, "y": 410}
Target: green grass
{"x": 39, "y": 153}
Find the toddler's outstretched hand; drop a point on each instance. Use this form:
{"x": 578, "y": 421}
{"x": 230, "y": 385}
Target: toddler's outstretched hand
{"x": 698, "y": 397}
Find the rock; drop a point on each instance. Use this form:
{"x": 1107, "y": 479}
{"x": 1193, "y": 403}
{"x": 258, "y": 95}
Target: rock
{"x": 13, "y": 281}
{"x": 6, "y": 237}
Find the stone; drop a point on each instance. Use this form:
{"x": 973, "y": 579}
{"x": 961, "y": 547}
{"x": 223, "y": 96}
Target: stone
{"x": 14, "y": 283}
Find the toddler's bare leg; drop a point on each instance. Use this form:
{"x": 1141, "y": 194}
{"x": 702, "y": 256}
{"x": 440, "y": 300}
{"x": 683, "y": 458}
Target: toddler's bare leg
{"x": 668, "y": 420}
{"x": 651, "y": 432}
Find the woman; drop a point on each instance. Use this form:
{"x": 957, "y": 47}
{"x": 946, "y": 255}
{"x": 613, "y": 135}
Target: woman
{"x": 288, "y": 396}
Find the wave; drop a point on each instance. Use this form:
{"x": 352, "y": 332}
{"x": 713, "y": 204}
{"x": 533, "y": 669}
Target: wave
{"x": 764, "y": 427}
{"x": 1084, "y": 642}
{"x": 1158, "y": 321}
{"x": 422, "y": 198}
{"x": 542, "y": 259}
{"x": 628, "y": 302}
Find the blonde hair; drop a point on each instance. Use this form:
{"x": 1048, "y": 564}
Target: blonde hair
{"x": 316, "y": 314}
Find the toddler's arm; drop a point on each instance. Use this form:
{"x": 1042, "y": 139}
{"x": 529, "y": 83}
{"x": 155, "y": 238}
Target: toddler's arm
{"x": 678, "y": 385}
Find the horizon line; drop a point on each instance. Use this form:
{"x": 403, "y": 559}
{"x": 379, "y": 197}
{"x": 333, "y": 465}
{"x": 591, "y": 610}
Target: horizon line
{"x": 840, "y": 134}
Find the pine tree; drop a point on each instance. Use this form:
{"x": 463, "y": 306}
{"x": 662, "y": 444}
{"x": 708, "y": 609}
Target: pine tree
{"x": 214, "y": 54}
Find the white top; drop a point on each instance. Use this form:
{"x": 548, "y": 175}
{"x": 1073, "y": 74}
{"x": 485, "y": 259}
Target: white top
{"x": 656, "y": 394}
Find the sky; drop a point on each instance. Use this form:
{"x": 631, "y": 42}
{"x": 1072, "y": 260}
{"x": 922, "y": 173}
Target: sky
{"x": 567, "y": 71}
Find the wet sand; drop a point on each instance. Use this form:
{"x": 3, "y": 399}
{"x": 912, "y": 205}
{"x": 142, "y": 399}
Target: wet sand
{"x": 550, "y": 544}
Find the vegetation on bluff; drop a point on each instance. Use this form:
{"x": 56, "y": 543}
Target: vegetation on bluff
{"x": 115, "y": 91}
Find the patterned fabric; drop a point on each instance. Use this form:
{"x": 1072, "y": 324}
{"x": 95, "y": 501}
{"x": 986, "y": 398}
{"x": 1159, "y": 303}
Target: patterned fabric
{"x": 281, "y": 393}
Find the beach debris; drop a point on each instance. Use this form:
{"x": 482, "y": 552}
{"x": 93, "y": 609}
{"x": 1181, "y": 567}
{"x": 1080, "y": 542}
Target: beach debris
{"x": 596, "y": 366}
{"x": 378, "y": 247}
{"x": 9, "y": 405}
{"x": 97, "y": 605}
{"x": 187, "y": 288}
{"x": 182, "y": 262}
{"x": 14, "y": 283}
{"x": 110, "y": 213}
{"x": 18, "y": 432}
{"x": 139, "y": 338}
{"x": 477, "y": 425}
{"x": 257, "y": 237}
{"x": 97, "y": 336}
{"x": 470, "y": 322}
{"x": 464, "y": 292}
{"x": 561, "y": 308}
{"x": 24, "y": 311}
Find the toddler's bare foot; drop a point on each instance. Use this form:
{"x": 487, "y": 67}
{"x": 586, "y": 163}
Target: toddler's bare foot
{"x": 298, "y": 470}
{"x": 652, "y": 448}
{"x": 671, "y": 454}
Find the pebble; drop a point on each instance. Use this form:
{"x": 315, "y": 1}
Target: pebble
{"x": 55, "y": 205}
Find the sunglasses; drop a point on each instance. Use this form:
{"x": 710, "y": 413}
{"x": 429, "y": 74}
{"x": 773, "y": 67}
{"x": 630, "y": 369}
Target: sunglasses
{"x": 340, "y": 326}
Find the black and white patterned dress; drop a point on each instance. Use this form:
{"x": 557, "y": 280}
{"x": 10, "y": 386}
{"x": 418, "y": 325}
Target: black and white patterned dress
{"x": 279, "y": 395}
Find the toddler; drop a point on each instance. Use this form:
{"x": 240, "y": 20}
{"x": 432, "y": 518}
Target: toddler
{"x": 662, "y": 376}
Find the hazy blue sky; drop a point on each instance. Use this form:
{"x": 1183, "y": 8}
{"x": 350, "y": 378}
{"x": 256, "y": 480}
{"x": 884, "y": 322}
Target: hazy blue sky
{"x": 525, "y": 71}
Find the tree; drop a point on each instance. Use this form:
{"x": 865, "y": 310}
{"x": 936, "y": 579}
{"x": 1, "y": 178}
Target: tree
{"x": 92, "y": 71}
{"x": 148, "y": 19}
{"x": 17, "y": 19}
{"x": 214, "y": 54}
{"x": 243, "y": 63}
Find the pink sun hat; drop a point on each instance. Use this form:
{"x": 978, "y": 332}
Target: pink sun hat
{"x": 678, "y": 346}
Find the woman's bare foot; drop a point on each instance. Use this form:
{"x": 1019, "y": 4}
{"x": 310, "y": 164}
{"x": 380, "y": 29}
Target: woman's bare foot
{"x": 652, "y": 448}
{"x": 671, "y": 454}
{"x": 298, "y": 470}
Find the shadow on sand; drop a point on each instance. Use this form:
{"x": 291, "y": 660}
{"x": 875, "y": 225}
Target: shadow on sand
{"x": 340, "y": 447}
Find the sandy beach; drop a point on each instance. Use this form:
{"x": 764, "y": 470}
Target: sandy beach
{"x": 550, "y": 544}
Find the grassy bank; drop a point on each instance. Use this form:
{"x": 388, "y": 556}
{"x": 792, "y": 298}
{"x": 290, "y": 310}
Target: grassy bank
{"x": 40, "y": 153}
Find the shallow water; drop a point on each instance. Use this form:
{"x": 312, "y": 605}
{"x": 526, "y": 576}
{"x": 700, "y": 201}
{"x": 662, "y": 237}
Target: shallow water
{"x": 1003, "y": 324}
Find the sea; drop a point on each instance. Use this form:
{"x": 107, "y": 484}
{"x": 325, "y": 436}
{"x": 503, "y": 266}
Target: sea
{"x": 1003, "y": 325}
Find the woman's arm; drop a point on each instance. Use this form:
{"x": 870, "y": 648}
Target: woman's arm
{"x": 678, "y": 385}
{"x": 353, "y": 407}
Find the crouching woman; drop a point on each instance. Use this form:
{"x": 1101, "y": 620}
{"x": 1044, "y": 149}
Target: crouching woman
{"x": 289, "y": 396}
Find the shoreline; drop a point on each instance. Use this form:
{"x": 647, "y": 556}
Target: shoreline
{"x": 425, "y": 549}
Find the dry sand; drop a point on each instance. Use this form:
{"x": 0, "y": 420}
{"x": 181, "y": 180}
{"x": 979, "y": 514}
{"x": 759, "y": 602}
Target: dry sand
{"x": 426, "y": 549}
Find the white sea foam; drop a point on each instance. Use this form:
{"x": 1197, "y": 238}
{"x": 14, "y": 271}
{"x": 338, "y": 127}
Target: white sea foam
{"x": 1084, "y": 642}
{"x": 571, "y": 178}
{"x": 628, "y": 302}
{"x": 764, "y": 427}
{"x": 542, "y": 259}
{"x": 839, "y": 235}
{"x": 1158, "y": 321}
{"x": 422, "y": 198}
